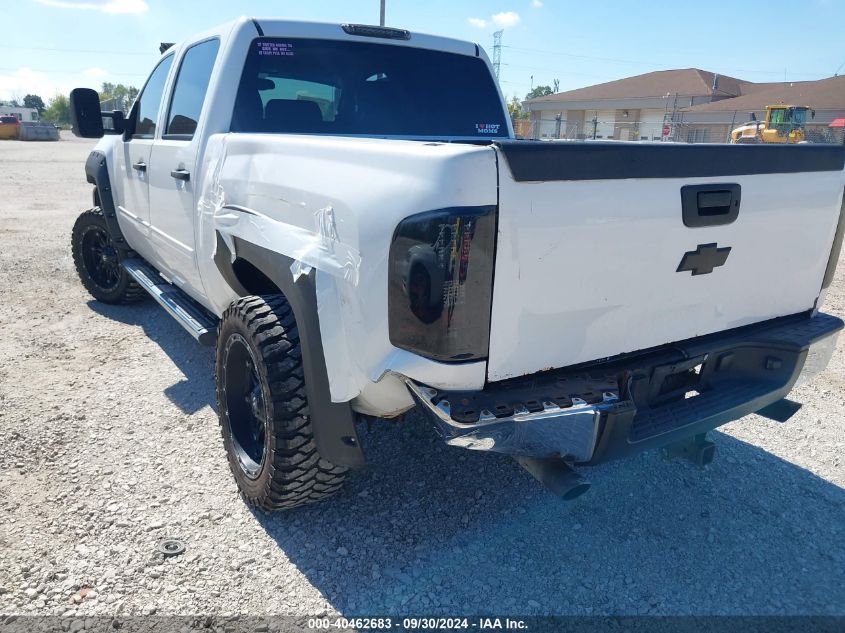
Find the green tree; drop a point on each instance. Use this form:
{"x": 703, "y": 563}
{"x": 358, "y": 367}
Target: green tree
{"x": 34, "y": 101}
{"x": 117, "y": 96}
{"x": 58, "y": 111}
{"x": 539, "y": 91}
{"x": 515, "y": 109}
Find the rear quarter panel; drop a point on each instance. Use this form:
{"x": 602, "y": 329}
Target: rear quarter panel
{"x": 369, "y": 185}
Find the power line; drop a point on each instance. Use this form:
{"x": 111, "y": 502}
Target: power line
{"x": 649, "y": 63}
{"x": 72, "y": 72}
{"x": 77, "y": 50}
{"x": 574, "y": 56}
{"x": 559, "y": 71}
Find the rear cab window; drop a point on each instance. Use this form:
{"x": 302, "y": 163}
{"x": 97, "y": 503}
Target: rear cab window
{"x": 308, "y": 86}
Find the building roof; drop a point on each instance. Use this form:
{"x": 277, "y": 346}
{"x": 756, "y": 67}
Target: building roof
{"x": 823, "y": 94}
{"x": 690, "y": 82}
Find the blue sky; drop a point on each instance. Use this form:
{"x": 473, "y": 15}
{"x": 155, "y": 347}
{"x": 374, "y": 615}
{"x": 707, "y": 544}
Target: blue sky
{"x": 65, "y": 43}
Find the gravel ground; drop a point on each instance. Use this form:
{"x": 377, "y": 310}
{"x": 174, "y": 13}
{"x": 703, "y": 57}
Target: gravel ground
{"x": 109, "y": 442}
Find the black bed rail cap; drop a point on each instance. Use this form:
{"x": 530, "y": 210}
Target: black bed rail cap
{"x": 386, "y": 32}
{"x": 596, "y": 160}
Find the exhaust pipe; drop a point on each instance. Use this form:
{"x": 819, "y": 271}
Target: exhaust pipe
{"x": 556, "y": 475}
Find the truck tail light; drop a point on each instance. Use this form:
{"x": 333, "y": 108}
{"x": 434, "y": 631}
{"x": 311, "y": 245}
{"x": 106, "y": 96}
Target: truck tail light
{"x": 440, "y": 283}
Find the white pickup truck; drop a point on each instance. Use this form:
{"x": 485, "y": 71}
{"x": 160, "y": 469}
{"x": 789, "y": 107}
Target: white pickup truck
{"x": 344, "y": 212}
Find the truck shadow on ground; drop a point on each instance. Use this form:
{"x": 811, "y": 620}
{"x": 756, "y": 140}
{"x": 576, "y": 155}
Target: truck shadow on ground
{"x": 429, "y": 529}
{"x": 194, "y": 361}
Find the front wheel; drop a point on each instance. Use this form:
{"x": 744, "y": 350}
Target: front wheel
{"x": 98, "y": 261}
{"x": 263, "y": 408}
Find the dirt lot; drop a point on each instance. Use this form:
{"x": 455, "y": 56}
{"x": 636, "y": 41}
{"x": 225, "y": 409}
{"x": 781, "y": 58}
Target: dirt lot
{"x": 109, "y": 442}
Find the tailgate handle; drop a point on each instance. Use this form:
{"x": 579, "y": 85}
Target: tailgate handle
{"x": 710, "y": 205}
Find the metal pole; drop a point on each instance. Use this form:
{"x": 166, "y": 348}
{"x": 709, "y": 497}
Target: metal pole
{"x": 381, "y": 16}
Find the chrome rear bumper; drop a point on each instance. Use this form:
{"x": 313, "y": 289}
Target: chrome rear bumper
{"x": 602, "y": 411}
{"x": 570, "y": 433}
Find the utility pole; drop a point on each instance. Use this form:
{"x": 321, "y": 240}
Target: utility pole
{"x": 381, "y": 15}
{"x": 497, "y": 52}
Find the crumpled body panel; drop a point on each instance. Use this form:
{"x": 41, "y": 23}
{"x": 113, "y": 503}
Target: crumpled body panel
{"x": 332, "y": 204}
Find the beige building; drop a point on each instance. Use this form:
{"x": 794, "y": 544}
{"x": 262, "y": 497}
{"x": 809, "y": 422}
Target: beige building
{"x": 687, "y": 105}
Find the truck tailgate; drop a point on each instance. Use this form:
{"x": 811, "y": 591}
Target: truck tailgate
{"x": 598, "y": 255}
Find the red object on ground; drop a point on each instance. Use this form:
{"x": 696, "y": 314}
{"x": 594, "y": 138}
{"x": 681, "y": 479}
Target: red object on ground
{"x": 837, "y": 123}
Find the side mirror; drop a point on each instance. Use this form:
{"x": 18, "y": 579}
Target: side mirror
{"x": 812, "y": 114}
{"x": 114, "y": 122}
{"x": 85, "y": 115}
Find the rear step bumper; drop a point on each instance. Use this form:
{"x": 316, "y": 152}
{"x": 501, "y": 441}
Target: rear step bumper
{"x": 199, "y": 323}
{"x": 534, "y": 424}
{"x": 602, "y": 411}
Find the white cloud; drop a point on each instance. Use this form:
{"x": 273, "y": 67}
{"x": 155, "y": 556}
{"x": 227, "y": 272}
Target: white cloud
{"x": 506, "y": 19}
{"x": 106, "y": 6}
{"x": 23, "y": 81}
{"x": 502, "y": 20}
{"x": 537, "y": 4}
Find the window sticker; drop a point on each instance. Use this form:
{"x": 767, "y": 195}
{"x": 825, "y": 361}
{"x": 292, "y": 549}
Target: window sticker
{"x": 487, "y": 128}
{"x": 275, "y": 49}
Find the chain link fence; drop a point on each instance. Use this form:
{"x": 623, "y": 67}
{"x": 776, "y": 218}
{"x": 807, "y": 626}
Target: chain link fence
{"x": 677, "y": 131}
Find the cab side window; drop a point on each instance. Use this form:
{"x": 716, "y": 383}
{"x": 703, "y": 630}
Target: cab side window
{"x": 191, "y": 87}
{"x": 145, "y": 112}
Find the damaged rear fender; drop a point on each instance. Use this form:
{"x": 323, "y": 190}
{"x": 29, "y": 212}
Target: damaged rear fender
{"x": 333, "y": 422}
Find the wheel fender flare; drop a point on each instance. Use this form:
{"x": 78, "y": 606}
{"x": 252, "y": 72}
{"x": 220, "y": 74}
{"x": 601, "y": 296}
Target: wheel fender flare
{"x": 97, "y": 173}
{"x": 333, "y": 423}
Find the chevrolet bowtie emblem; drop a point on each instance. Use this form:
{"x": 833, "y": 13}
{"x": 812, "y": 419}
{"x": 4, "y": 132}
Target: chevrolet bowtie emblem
{"x": 704, "y": 259}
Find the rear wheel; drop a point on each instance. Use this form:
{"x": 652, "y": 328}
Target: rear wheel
{"x": 98, "y": 261}
{"x": 263, "y": 408}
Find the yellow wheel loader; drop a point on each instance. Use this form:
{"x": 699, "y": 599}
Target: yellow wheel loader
{"x": 783, "y": 124}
